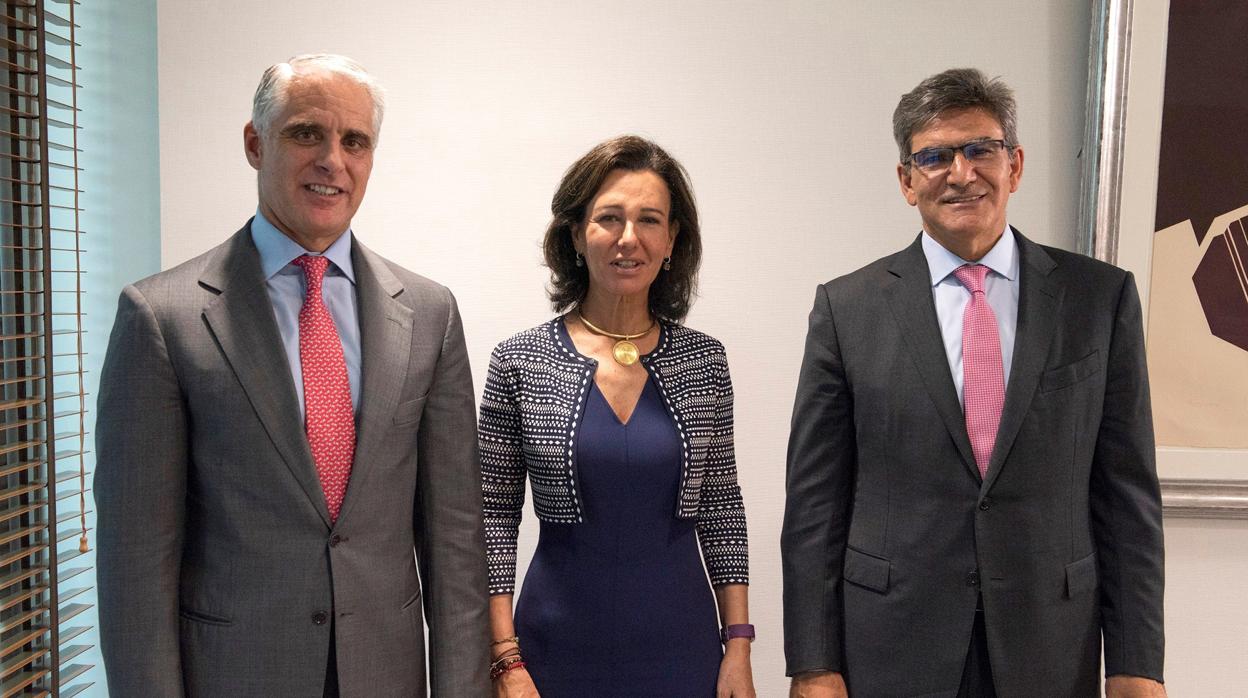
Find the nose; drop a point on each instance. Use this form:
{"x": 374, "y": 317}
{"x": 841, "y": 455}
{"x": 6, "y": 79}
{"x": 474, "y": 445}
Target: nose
{"x": 961, "y": 171}
{"x": 628, "y": 237}
{"x": 329, "y": 157}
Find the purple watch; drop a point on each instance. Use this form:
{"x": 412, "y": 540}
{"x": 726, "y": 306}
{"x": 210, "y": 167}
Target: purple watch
{"x": 731, "y": 632}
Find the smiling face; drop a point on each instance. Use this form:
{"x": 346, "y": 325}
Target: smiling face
{"x": 315, "y": 158}
{"x": 626, "y": 234}
{"x": 963, "y": 208}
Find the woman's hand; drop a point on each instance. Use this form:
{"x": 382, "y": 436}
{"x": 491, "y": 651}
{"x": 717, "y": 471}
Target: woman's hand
{"x": 515, "y": 684}
{"x": 736, "y": 679}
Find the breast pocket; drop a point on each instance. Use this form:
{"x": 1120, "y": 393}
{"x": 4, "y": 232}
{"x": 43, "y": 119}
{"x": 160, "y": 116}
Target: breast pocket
{"x": 1071, "y": 373}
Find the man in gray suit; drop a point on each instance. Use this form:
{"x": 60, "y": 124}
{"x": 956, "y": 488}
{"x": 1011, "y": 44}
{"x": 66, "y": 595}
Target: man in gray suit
{"x": 972, "y": 503}
{"x": 287, "y": 482}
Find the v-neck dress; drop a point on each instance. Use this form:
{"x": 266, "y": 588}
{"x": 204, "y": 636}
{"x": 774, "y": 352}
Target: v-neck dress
{"x": 620, "y": 604}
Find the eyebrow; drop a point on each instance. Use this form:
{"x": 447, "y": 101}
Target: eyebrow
{"x": 646, "y": 209}
{"x": 356, "y": 133}
{"x": 314, "y": 126}
{"x": 299, "y": 126}
{"x": 979, "y": 139}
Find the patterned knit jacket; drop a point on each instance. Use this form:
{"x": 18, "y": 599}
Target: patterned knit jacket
{"x": 534, "y": 399}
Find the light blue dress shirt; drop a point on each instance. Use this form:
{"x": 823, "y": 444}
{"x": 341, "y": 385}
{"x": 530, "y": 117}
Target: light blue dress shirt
{"x": 287, "y": 286}
{"x": 951, "y": 297}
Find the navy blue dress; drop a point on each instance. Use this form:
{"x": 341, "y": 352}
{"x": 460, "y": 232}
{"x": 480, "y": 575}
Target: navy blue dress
{"x": 619, "y": 605}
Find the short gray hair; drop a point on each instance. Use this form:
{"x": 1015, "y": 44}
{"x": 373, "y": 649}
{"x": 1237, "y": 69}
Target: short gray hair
{"x": 957, "y": 88}
{"x": 271, "y": 93}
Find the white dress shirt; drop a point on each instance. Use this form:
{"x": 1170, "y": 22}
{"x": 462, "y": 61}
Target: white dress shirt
{"x": 951, "y": 297}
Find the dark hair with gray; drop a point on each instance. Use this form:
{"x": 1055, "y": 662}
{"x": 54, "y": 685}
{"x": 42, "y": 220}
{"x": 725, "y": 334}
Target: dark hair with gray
{"x": 957, "y": 88}
{"x": 271, "y": 93}
{"x": 672, "y": 292}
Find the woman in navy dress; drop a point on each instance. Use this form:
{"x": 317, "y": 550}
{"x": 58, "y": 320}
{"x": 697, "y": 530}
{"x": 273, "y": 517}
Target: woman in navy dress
{"x": 621, "y": 420}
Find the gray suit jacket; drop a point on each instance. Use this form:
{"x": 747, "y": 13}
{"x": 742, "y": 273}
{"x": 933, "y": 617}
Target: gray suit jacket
{"x": 890, "y": 535}
{"x": 219, "y": 571}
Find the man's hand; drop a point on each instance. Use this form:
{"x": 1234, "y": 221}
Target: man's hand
{"x": 818, "y": 684}
{"x": 1123, "y": 686}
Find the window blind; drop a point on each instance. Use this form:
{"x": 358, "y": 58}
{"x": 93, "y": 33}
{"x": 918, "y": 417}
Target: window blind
{"x": 44, "y": 576}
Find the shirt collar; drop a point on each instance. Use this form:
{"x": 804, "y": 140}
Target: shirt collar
{"x": 1002, "y": 258}
{"x": 277, "y": 250}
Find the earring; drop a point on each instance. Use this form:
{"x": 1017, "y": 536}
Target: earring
{"x": 667, "y": 264}
{"x": 580, "y": 261}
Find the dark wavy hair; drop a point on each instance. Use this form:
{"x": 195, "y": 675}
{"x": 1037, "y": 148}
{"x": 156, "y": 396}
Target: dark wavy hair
{"x": 672, "y": 292}
{"x": 956, "y": 88}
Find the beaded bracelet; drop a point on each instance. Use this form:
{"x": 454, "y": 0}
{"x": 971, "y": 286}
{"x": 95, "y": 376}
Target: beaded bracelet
{"x": 500, "y": 641}
{"x": 502, "y": 659}
{"x": 512, "y": 652}
{"x": 505, "y": 665}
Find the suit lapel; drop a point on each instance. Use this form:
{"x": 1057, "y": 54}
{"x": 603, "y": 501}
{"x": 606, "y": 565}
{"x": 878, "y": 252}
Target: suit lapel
{"x": 241, "y": 318}
{"x": 385, "y": 347}
{"x": 910, "y": 296}
{"x": 1039, "y": 298}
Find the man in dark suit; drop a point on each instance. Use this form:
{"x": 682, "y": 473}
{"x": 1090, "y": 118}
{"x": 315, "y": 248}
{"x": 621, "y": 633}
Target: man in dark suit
{"x": 972, "y": 503}
{"x": 288, "y": 484}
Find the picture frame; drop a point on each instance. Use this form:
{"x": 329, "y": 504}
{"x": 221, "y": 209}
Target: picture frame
{"x": 1126, "y": 90}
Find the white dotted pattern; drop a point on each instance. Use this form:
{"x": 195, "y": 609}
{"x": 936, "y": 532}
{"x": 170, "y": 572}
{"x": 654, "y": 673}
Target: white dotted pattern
{"x": 983, "y": 378}
{"x": 330, "y": 421}
{"x": 531, "y": 409}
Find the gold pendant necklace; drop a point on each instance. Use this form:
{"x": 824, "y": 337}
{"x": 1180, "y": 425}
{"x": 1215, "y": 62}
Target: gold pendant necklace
{"x": 624, "y": 352}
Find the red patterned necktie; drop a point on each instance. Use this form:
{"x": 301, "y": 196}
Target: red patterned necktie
{"x": 983, "y": 377}
{"x": 330, "y": 420}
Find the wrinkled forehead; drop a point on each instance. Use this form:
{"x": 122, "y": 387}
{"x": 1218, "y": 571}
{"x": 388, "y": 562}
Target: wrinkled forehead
{"x": 959, "y": 122}
{"x": 322, "y": 95}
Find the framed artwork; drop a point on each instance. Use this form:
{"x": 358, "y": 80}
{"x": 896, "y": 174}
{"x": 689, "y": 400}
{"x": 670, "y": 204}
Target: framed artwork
{"x": 1166, "y": 197}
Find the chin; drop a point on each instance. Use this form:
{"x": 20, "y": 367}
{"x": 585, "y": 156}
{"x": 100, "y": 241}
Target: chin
{"x": 628, "y": 291}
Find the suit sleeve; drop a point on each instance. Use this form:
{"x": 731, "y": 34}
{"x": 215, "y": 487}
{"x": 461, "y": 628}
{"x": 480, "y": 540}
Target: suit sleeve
{"x": 721, "y": 511}
{"x": 140, "y": 498}
{"x": 822, "y": 461}
{"x": 1126, "y": 505}
{"x": 502, "y": 473}
{"x": 450, "y": 542}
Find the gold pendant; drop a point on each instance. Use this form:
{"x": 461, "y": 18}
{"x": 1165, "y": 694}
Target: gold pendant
{"x": 625, "y": 353}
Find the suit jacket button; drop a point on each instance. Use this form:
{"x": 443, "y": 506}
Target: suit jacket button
{"x": 320, "y": 618}
{"x": 972, "y": 579}
{"x": 335, "y": 540}
{"x": 985, "y": 505}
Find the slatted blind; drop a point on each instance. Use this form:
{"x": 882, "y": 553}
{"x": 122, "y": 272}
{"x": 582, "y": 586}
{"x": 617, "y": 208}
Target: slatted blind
{"x": 43, "y": 503}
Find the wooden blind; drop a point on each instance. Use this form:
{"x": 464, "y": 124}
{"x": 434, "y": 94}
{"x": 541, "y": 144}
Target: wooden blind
{"x": 43, "y": 534}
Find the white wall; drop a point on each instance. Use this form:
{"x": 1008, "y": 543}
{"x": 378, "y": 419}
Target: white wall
{"x": 780, "y": 110}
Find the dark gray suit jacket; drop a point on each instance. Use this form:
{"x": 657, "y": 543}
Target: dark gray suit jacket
{"x": 890, "y": 535}
{"x": 219, "y": 571}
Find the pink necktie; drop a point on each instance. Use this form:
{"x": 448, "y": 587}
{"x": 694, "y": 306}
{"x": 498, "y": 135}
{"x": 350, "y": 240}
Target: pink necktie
{"x": 983, "y": 378}
{"x": 330, "y": 420}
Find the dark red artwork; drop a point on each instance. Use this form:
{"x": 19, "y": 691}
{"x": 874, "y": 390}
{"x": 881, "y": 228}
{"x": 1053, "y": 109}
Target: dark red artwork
{"x": 1203, "y": 166}
{"x": 1222, "y": 285}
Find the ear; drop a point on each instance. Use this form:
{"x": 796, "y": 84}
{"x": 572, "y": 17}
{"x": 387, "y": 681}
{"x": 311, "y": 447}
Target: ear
{"x": 1016, "y": 168}
{"x": 672, "y": 231}
{"x": 905, "y": 177}
{"x": 251, "y": 145}
{"x": 578, "y": 238}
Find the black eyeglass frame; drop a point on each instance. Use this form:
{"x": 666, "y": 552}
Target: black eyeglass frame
{"x": 953, "y": 150}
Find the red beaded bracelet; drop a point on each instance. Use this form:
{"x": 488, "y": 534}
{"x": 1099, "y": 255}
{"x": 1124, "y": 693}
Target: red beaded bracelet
{"x": 501, "y": 668}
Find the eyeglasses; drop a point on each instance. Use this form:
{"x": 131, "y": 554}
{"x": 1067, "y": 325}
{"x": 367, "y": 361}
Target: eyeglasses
{"x": 937, "y": 160}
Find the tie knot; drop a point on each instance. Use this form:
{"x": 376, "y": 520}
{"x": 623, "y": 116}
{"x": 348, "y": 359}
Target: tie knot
{"x": 313, "y": 268}
{"x": 972, "y": 276}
